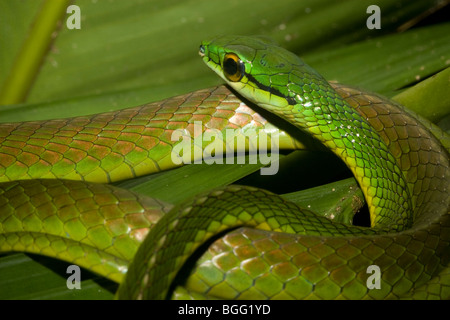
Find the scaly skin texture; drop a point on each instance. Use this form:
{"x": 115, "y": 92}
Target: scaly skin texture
{"x": 83, "y": 224}
{"x": 105, "y": 222}
{"x": 249, "y": 263}
{"x": 119, "y": 145}
{"x": 335, "y": 257}
{"x": 96, "y": 226}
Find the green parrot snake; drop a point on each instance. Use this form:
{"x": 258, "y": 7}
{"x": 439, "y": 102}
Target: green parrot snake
{"x": 55, "y": 198}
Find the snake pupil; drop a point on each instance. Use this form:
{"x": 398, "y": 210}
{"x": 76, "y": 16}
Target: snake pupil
{"x": 230, "y": 66}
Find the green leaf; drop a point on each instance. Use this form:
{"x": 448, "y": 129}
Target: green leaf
{"x": 339, "y": 201}
{"x": 29, "y": 58}
{"x": 433, "y": 93}
{"x": 183, "y": 183}
{"x": 33, "y": 277}
{"x": 388, "y": 63}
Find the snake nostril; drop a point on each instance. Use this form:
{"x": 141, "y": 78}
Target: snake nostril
{"x": 201, "y": 50}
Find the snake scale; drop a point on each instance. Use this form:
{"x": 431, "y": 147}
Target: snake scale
{"x": 55, "y": 200}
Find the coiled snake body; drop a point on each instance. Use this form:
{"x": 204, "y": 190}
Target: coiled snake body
{"x": 400, "y": 161}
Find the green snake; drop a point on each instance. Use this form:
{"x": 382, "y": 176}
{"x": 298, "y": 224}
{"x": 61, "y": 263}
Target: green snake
{"x": 55, "y": 201}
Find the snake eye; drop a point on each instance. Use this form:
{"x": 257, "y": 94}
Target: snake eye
{"x": 233, "y": 67}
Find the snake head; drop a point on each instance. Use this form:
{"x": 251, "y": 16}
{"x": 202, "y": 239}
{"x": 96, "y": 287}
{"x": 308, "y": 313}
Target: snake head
{"x": 261, "y": 71}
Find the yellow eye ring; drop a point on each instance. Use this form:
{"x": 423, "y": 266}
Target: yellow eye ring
{"x": 233, "y": 67}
